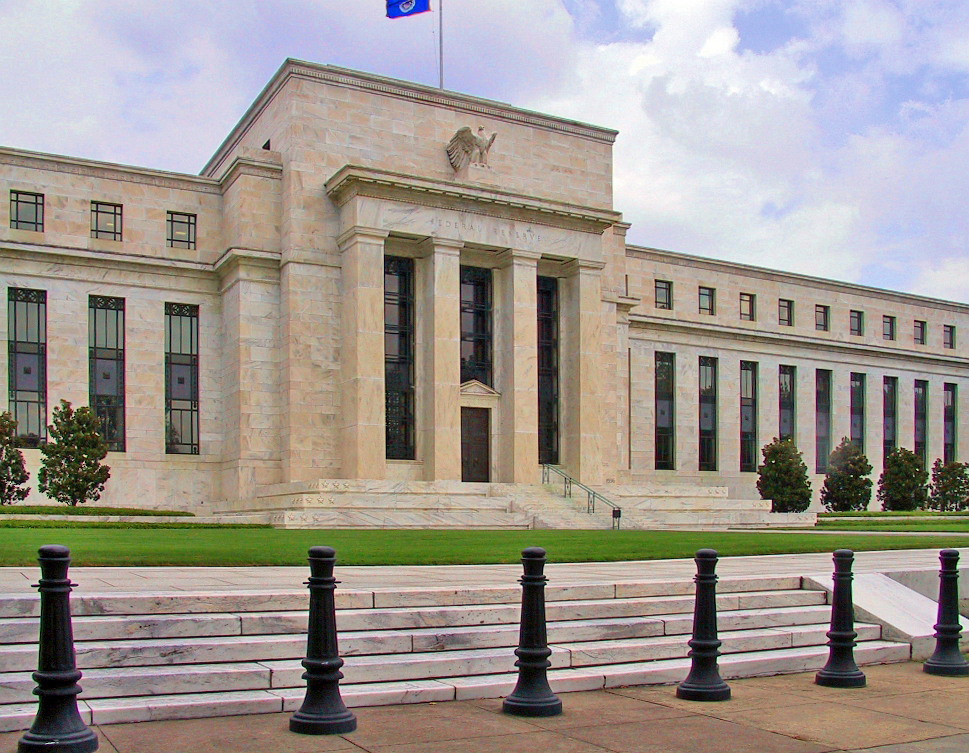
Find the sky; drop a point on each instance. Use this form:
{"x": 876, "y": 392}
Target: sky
{"x": 825, "y": 137}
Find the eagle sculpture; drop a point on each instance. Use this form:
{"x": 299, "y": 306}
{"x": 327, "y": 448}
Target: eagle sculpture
{"x": 466, "y": 148}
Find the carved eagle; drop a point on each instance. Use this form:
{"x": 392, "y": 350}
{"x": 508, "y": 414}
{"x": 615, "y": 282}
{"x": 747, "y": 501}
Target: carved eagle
{"x": 466, "y": 148}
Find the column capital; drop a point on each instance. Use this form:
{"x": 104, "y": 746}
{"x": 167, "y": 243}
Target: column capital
{"x": 432, "y": 244}
{"x": 359, "y": 232}
{"x": 511, "y": 256}
{"x": 578, "y": 266}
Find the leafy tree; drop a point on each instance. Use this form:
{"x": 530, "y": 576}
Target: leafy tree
{"x": 847, "y": 485}
{"x": 13, "y": 474}
{"x": 71, "y": 470}
{"x": 783, "y": 478}
{"x": 949, "y": 490}
{"x": 902, "y": 485}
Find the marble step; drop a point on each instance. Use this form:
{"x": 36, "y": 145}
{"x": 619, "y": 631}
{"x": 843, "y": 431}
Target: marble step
{"x": 350, "y": 517}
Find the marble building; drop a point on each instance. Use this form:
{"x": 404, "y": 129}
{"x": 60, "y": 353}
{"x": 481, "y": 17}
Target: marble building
{"x": 372, "y": 279}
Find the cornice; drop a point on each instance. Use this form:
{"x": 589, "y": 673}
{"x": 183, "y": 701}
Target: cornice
{"x": 247, "y": 166}
{"x": 355, "y": 180}
{"x": 350, "y": 79}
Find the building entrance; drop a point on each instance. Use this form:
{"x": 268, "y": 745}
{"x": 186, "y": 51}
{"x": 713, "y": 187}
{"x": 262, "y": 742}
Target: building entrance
{"x": 475, "y": 444}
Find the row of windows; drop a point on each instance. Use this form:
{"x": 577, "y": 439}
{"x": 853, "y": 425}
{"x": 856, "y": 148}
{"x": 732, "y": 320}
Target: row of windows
{"x": 665, "y": 411}
{"x": 27, "y": 371}
{"x": 27, "y": 213}
{"x": 707, "y": 304}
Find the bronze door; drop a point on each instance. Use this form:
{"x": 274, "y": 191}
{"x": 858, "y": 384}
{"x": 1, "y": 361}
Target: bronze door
{"x": 475, "y": 444}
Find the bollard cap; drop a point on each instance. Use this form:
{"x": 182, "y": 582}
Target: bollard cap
{"x": 949, "y": 554}
{"x": 843, "y": 554}
{"x": 533, "y": 553}
{"x": 53, "y": 552}
{"x": 322, "y": 552}
{"x": 707, "y": 554}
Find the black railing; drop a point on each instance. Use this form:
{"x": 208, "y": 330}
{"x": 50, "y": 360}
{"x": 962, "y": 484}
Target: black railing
{"x": 592, "y": 495}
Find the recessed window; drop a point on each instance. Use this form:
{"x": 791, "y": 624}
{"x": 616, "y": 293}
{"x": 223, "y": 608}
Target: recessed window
{"x": 27, "y": 211}
{"x": 664, "y": 294}
{"x": 399, "y": 357}
{"x": 27, "y": 365}
{"x": 787, "y": 403}
{"x": 748, "y": 416}
{"x": 665, "y": 383}
{"x": 708, "y": 300}
{"x": 888, "y": 327}
{"x": 785, "y": 312}
{"x": 181, "y": 379}
{"x": 857, "y": 408}
{"x": 949, "y": 423}
{"x": 856, "y": 323}
{"x": 181, "y": 230}
{"x": 948, "y": 336}
{"x": 708, "y": 414}
{"x": 106, "y": 367}
{"x": 547, "y": 294}
{"x": 106, "y": 221}
{"x": 922, "y": 420}
{"x": 748, "y": 307}
{"x": 476, "y": 325}
{"x": 822, "y": 318}
{"x": 822, "y": 420}
{"x": 919, "y": 332}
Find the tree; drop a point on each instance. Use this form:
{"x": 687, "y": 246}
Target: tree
{"x": 13, "y": 473}
{"x": 846, "y": 485}
{"x": 783, "y": 478}
{"x": 71, "y": 470}
{"x": 949, "y": 490}
{"x": 902, "y": 485}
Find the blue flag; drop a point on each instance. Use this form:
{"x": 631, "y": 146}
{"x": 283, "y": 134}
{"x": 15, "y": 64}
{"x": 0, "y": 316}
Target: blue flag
{"x": 401, "y": 8}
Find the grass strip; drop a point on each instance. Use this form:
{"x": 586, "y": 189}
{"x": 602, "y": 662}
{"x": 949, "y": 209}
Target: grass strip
{"x": 220, "y": 546}
{"x": 875, "y": 514}
{"x": 942, "y": 526}
{"x": 82, "y": 510}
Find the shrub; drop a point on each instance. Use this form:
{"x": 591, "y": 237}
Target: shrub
{"x": 902, "y": 485}
{"x": 783, "y": 478}
{"x": 13, "y": 474}
{"x": 71, "y": 470}
{"x": 846, "y": 485}
{"x": 949, "y": 490}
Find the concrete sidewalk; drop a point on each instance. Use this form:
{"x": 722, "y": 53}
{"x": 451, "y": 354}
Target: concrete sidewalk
{"x": 902, "y": 710}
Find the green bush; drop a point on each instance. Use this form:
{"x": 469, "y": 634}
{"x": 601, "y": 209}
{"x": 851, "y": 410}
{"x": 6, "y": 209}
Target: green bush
{"x": 71, "y": 470}
{"x": 903, "y": 483}
{"x": 13, "y": 473}
{"x": 949, "y": 490}
{"x": 847, "y": 485}
{"x": 783, "y": 478}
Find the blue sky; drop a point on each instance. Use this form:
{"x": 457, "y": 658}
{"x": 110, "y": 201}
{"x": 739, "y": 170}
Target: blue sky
{"x": 827, "y": 137}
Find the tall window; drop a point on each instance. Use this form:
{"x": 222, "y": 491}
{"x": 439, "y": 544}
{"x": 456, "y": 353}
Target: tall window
{"x": 949, "y": 336}
{"x": 665, "y": 411}
{"x": 180, "y": 230}
{"x": 476, "y": 338}
{"x": 949, "y": 423}
{"x": 708, "y": 300}
{"x": 548, "y": 370}
{"x": 858, "y": 410}
{"x": 181, "y": 379}
{"x": 708, "y": 414}
{"x": 27, "y": 359}
{"x": 748, "y": 307}
{"x": 922, "y": 420}
{"x": 748, "y": 416}
{"x": 27, "y": 211}
{"x": 785, "y": 312}
{"x": 106, "y": 221}
{"x": 106, "y": 367}
{"x": 856, "y": 322}
{"x": 822, "y": 318}
{"x": 787, "y": 401}
{"x": 822, "y": 419}
{"x": 399, "y": 357}
{"x": 664, "y": 294}
{"x": 889, "y": 416}
{"x": 888, "y": 327}
{"x": 918, "y": 332}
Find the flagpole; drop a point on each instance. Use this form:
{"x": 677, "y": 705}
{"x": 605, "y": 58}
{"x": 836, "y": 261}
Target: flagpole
{"x": 440, "y": 40}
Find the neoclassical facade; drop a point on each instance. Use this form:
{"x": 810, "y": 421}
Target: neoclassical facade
{"x": 357, "y": 286}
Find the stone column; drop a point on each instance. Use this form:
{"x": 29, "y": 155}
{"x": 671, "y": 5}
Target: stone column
{"x": 441, "y": 296}
{"x": 581, "y": 307}
{"x": 518, "y": 383}
{"x": 363, "y": 407}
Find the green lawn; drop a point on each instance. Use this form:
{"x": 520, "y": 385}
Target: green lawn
{"x": 106, "y": 545}
{"x": 87, "y": 510}
{"x": 875, "y": 524}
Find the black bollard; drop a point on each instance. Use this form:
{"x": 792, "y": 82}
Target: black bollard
{"x": 704, "y": 682}
{"x": 947, "y": 659}
{"x": 532, "y": 695}
{"x": 57, "y": 727}
{"x": 841, "y": 670}
{"x": 323, "y": 711}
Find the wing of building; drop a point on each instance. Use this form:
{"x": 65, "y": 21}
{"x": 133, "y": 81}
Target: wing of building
{"x": 332, "y": 300}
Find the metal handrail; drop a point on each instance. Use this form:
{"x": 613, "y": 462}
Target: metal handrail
{"x": 592, "y": 495}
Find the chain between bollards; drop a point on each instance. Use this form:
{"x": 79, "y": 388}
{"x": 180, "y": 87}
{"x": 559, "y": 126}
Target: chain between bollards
{"x": 532, "y": 695}
{"x": 58, "y": 727}
{"x": 947, "y": 659}
{"x": 841, "y": 670}
{"x": 704, "y": 682}
{"x": 323, "y": 711}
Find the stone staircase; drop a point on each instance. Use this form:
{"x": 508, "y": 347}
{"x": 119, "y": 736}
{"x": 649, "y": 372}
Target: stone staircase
{"x": 185, "y": 655}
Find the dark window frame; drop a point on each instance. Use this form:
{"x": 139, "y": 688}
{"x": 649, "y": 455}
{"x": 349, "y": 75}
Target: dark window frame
{"x": 919, "y": 332}
{"x": 27, "y": 350}
{"x": 949, "y": 336}
{"x": 858, "y": 396}
{"x": 748, "y": 416}
{"x": 889, "y": 416}
{"x": 707, "y": 300}
{"x": 20, "y": 203}
{"x": 822, "y": 317}
{"x": 106, "y": 362}
{"x": 103, "y": 215}
{"x": 950, "y": 427}
{"x": 663, "y": 294}
{"x": 399, "y": 361}
{"x": 785, "y": 312}
{"x": 748, "y": 307}
{"x": 921, "y": 425}
{"x": 707, "y": 450}
{"x": 181, "y": 362}
{"x": 664, "y": 380}
{"x": 888, "y": 327}
{"x": 787, "y": 402}
{"x": 176, "y": 222}
{"x": 822, "y": 419}
{"x": 477, "y": 340}
{"x": 547, "y": 293}
{"x": 856, "y": 323}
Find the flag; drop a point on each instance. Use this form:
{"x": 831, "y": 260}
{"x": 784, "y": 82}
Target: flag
{"x": 401, "y": 8}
